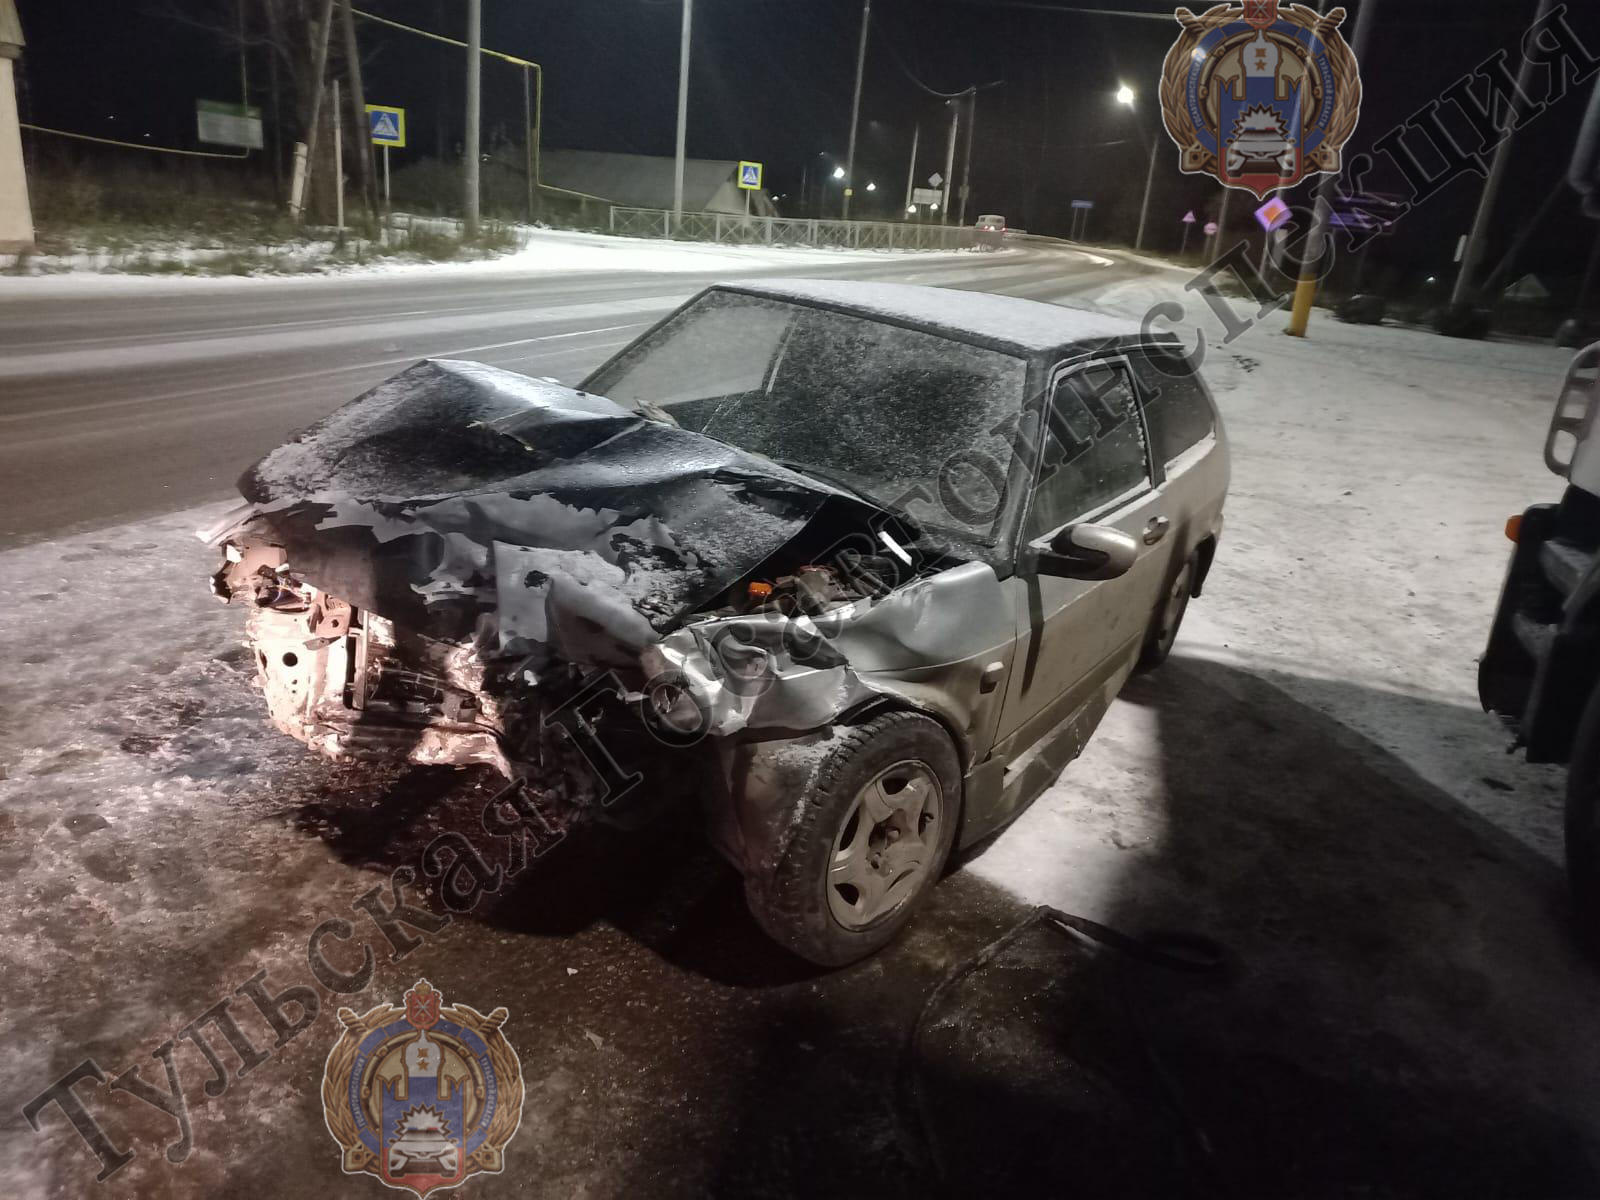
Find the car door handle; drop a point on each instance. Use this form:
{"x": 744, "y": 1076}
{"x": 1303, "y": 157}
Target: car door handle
{"x": 1156, "y": 530}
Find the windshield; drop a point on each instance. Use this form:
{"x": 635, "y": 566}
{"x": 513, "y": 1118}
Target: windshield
{"x": 913, "y": 420}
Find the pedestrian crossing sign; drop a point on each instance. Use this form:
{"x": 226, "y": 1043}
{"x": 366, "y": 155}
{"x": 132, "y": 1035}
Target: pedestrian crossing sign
{"x": 750, "y": 176}
{"x": 387, "y": 125}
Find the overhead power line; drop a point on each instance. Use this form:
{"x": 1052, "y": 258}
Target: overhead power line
{"x": 84, "y": 137}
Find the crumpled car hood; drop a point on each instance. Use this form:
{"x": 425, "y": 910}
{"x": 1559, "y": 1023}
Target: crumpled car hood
{"x": 467, "y": 501}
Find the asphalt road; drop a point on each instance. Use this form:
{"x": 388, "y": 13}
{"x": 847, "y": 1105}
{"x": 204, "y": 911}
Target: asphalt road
{"x": 143, "y": 401}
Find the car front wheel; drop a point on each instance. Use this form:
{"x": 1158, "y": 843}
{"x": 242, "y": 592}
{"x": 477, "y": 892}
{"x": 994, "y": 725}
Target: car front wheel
{"x": 873, "y": 836}
{"x": 1163, "y": 631}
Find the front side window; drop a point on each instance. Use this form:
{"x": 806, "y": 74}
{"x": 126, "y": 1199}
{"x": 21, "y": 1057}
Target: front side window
{"x": 1095, "y": 450}
{"x": 888, "y": 411}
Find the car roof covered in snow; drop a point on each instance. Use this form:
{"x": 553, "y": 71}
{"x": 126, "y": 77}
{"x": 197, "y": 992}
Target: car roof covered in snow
{"x": 1027, "y": 326}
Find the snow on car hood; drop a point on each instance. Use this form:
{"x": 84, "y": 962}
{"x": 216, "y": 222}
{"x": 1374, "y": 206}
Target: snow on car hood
{"x": 462, "y": 500}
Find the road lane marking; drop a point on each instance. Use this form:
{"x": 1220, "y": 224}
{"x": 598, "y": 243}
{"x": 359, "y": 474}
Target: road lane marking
{"x": 131, "y": 401}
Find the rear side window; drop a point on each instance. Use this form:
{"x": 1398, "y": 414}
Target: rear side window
{"x": 1175, "y": 404}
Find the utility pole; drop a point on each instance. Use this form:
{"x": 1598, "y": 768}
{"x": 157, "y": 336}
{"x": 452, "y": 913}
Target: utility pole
{"x": 950, "y": 158}
{"x": 855, "y": 108}
{"x": 471, "y": 153}
{"x": 305, "y": 152}
{"x": 1306, "y": 290}
{"x": 338, "y": 161}
{"x": 358, "y": 110}
{"x": 1149, "y": 182}
{"x": 1478, "y": 238}
{"x": 966, "y": 154}
{"x": 911, "y": 169}
{"x": 683, "y": 114}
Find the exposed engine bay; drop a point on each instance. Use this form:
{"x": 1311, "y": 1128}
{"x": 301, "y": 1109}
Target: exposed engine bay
{"x": 560, "y": 565}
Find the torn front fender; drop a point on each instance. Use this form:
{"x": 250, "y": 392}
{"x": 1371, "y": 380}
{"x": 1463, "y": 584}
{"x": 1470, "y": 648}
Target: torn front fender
{"x": 941, "y": 643}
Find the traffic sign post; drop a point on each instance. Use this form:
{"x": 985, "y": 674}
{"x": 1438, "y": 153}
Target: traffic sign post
{"x": 749, "y": 181}
{"x": 1189, "y": 220}
{"x": 1080, "y": 218}
{"x": 386, "y": 127}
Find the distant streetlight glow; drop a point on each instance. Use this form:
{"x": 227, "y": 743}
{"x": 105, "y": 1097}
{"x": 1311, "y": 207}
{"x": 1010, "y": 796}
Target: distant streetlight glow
{"x": 911, "y": 208}
{"x": 1125, "y": 95}
{"x": 838, "y": 172}
{"x": 872, "y": 187}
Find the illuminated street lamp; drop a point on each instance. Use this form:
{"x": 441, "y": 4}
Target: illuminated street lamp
{"x": 872, "y": 187}
{"x": 838, "y": 172}
{"x": 1126, "y": 97}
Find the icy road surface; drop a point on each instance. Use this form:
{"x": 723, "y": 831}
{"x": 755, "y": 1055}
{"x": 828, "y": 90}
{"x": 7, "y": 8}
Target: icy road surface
{"x": 129, "y": 397}
{"x": 1308, "y": 780}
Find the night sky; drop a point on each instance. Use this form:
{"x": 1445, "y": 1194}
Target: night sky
{"x": 772, "y": 81}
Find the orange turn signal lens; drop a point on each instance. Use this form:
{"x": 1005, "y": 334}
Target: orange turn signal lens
{"x": 760, "y": 591}
{"x": 1514, "y": 527}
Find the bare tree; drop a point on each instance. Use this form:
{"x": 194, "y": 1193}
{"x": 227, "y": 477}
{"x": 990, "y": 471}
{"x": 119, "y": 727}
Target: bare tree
{"x": 281, "y": 34}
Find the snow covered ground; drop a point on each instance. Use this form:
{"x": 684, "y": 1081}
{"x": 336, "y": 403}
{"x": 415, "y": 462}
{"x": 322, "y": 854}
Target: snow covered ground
{"x": 1373, "y": 472}
{"x": 543, "y": 251}
{"x": 1310, "y": 780}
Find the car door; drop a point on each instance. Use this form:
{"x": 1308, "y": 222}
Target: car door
{"x": 1077, "y": 639}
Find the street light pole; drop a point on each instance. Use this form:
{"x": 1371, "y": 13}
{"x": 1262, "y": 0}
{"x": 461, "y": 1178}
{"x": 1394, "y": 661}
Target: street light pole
{"x": 950, "y": 158}
{"x": 1149, "y": 182}
{"x": 683, "y": 113}
{"x": 855, "y": 108}
{"x": 1125, "y": 95}
{"x": 1305, "y": 291}
{"x": 472, "y": 152}
{"x": 1477, "y": 240}
{"x": 911, "y": 168}
{"x": 966, "y": 154}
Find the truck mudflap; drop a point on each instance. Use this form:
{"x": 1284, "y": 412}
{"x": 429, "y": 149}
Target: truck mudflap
{"x": 1541, "y": 662}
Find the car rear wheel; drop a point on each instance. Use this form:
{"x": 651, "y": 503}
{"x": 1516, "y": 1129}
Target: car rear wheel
{"x": 872, "y": 839}
{"x": 1583, "y": 825}
{"x": 1163, "y": 632}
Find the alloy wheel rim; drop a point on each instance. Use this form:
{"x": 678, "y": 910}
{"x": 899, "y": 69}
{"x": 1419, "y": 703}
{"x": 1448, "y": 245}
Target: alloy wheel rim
{"x": 884, "y": 850}
{"x": 1176, "y": 604}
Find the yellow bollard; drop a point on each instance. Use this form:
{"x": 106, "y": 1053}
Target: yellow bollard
{"x": 1304, "y": 293}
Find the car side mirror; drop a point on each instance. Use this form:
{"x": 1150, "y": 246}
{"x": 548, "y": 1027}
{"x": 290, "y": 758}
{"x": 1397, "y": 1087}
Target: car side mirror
{"x": 1089, "y": 552}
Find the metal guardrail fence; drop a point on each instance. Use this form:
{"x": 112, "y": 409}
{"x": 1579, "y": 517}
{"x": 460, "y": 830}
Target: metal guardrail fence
{"x": 731, "y": 229}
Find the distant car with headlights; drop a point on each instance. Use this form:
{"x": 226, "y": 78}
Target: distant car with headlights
{"x": 991, "y": 231}
{"x": 858, "y": 567}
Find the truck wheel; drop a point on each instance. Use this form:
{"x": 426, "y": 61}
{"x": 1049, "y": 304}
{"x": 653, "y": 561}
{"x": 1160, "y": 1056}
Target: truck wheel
{"x": 1168, "y": 617}
{"x": 874, "y": 832}
{"x": 1583, "y": 824}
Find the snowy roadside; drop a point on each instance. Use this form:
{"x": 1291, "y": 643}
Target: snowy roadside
{"x": 542, "y": 251}
{"x": 1373, "y": 472}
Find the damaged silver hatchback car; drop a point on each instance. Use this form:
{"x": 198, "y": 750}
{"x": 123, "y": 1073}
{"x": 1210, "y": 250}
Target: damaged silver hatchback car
{"x": 857, "y": 566}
